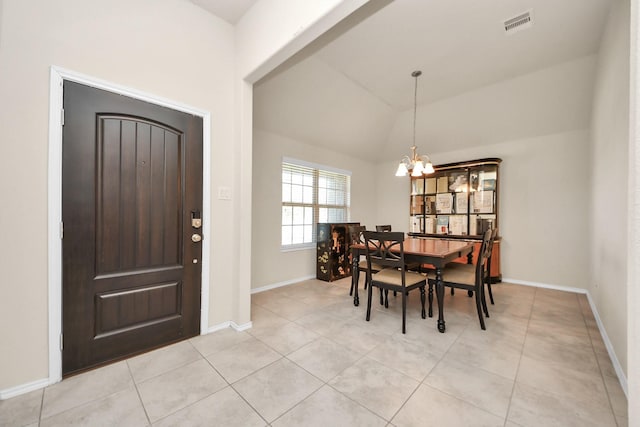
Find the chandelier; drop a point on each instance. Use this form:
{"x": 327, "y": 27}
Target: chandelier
{"x": 417, "y": 164}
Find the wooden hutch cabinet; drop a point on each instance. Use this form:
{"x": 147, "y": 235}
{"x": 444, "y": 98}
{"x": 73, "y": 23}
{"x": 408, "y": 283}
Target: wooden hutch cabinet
{"x": 333, "y": 256}
{"x": 458, "y": 201}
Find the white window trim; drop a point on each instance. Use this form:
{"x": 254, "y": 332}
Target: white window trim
{"x": 314, "y": 165}
{"x": 291, "y": 160}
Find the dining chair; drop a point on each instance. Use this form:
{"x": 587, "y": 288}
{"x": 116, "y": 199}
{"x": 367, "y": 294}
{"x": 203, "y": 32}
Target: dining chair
{"x": 355, "y": 232}
{"x": 385, "y": 228}
{"x": 387, "y": 250}
{"x": 470, "y": 277}
{"x": 487, "y": 279}
{"x": 494, "y": 234}
{"x": 413, "y": 267}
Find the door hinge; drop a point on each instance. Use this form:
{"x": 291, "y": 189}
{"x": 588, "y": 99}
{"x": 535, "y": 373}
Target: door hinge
{"x": 61, "y": 342}
{"x": 62, "y": 116}
{"x": 61, "y": 230}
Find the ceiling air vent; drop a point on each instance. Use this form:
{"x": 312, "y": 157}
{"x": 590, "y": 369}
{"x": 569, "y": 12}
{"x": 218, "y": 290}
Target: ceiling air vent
{"x": 518, "y": 23}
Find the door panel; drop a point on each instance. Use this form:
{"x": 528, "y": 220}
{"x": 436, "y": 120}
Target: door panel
{"x": 139, "y": 188}
{"x": 132, "y": 175}
{"x": 120, "y": 310}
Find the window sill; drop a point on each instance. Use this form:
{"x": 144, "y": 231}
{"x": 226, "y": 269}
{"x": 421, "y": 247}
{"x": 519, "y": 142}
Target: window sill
{"x": 300, "y": 247}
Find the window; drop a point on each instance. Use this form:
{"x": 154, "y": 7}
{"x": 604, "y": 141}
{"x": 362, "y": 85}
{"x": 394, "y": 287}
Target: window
{"x": 311, "y": 194}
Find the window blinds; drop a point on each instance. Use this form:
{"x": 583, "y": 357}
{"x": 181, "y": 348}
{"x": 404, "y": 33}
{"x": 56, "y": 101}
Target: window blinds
{"x": 311, "y": 195}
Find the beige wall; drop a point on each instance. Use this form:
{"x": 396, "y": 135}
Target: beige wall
{"x": 269, "y": 264}
{"x": 266, "y": 36}
{"x": 167, "y": 48}
{"x": 536, "y": 175}
{"x": 540, "y": 130}
{"x": 544, "y": 145}
{"x": 610, "y": 135}
{"x": 633, "y": 289}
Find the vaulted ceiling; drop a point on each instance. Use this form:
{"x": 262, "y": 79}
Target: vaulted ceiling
{"x": 351, "y": 91}
{"x": 229, "y": 10}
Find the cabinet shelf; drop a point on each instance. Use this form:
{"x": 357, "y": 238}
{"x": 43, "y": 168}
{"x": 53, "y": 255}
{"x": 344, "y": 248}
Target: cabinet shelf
{"x": 457, "y": 200}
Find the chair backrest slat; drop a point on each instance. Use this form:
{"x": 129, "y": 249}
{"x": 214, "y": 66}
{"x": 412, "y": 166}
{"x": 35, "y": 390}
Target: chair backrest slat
{"x": 385, "y": 248}
{"x": 355, "y": 232}
{"x": 483, "y": 257}
{"x": 383, "y": 227}
{"x": 494, "y": 234}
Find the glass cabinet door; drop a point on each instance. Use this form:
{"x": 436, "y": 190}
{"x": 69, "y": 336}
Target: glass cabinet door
{"x": 483, "y": 200}
{"x": 458, "y": 199}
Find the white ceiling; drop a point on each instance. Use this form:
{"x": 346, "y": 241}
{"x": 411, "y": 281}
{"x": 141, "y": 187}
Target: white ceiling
{"x": 229, "y": 10}
{"x": 351, "y": 90}
{"x": 460, "y": 44}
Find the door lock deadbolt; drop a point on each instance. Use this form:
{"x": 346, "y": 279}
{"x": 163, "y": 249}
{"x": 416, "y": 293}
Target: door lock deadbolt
{"x": 196, "y": 219}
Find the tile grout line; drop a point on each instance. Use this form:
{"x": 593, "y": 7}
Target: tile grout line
{"x": 615, "y": 418}
{"x": 230, "y": 385}
{"x": 296, "y": 405}
{"x": 452, "y": 395}
{"x": 144, "y": 408}
{"x": 94, "y": 400}
{"x": 41, "y": 406}
{"x": 326, "y": 383}
{"x": 515, "y": 379}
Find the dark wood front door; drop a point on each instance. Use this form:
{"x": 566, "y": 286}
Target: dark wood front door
{"x": 131, "y": 184}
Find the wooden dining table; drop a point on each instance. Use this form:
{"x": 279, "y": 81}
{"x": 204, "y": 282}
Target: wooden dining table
{"x": 423, "y": 250}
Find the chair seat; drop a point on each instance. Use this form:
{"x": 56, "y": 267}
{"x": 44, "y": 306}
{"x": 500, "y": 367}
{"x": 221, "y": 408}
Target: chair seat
{"x": 394, "y": 277}
{"x": 457, "y": 273}
{"x": 362, "y": 265}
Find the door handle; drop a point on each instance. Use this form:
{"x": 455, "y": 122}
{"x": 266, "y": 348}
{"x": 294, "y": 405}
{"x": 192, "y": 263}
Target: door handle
{"x": 195, "y": 238}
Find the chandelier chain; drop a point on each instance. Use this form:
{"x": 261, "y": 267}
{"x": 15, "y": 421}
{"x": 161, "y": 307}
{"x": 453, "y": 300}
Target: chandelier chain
{"x": 415, "y": 105}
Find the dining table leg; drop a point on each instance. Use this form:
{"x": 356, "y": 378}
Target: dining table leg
{"x": 430, "y": 300}
{"x": 440, "y": 297}
{"x": 355, "y": 277}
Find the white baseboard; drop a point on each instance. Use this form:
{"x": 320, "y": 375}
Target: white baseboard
{"x": 243, "y": 327}
{"x": 228, "y": 324}
{"x": 280, "y": 284}
{"x": 607, "y": 342}
{"x": 612, "y": 354}
{"x": 545, "y": 286}
{"x": 23, "y": 388}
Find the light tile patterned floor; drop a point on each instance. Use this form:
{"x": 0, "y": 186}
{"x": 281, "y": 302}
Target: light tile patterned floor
{"x": 311, "y": 359}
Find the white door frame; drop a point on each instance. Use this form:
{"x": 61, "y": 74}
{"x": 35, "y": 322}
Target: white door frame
{"x": 57, "y": 76}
